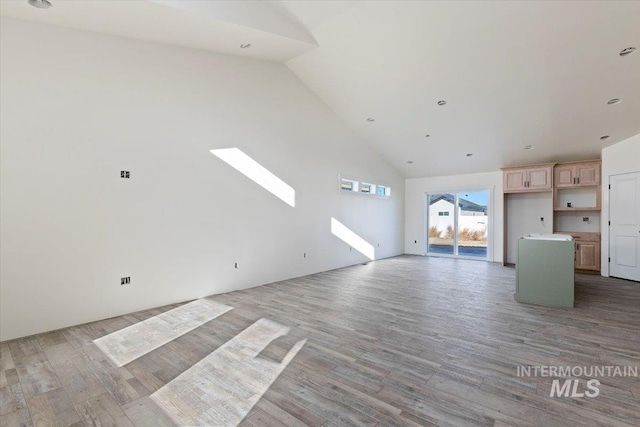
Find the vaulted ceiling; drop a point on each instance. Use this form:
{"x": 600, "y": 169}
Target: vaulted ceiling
{"x": 513, "y": 74}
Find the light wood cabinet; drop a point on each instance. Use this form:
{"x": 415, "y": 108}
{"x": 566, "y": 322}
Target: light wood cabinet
{"x": 576, "y": 190}
{"x": 515, "y": 180}
{"x": 577, "y": 174}
{"x": 528, "y": 179}
{"x": 587, "y": 250}
{"x": 577, "y": 186}
{"x": 588, "y": 256}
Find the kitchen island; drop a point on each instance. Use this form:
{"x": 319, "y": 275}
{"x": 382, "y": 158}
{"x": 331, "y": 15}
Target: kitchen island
{"x": 545, "y": 270}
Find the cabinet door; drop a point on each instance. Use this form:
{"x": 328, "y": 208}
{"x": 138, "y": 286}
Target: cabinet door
{"x": 588, "y": 173}
{"x": 539, "y": 178}
{"x": 564, "y": 176}
{"x": 588, "y": 256}
{"x": 514, "y": 180}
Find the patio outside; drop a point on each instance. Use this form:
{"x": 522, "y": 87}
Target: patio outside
{"x": 472, "y": 224}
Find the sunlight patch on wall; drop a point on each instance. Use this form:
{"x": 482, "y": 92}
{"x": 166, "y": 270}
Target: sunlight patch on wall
{"x": 343, "y": 233}
{"x": 253, "y": 170}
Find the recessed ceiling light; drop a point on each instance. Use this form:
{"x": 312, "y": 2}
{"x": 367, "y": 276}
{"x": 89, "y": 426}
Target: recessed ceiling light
{"x": 44, "y": 4}
{"x": 627, "y": 51}
{"x": 605, "y": 137}
{"x": 469, "y": 154}
{"x": 614, "y": 101}
{"x": 528, "y": 147}
{"x": 371, "y": 119}
{"x": 245, "y": 45}
{"x": 410, "y": 162}
{"x": 442, "y": 102}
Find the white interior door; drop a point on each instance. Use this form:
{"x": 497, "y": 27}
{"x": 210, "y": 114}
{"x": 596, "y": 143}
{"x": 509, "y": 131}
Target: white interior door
{"x": 624, "y": 232}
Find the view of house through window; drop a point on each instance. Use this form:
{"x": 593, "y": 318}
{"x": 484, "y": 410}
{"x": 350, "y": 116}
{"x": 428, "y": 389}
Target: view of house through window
{"x": 457, "y": 223}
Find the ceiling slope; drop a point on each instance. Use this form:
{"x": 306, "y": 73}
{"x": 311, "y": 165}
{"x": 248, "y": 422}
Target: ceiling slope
{"x": 218, "y": 26}
{"x": 512, "y": 73}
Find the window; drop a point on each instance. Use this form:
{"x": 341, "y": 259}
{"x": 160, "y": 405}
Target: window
{"x": 365, "y": 188}
{"x": 384, "y": 191}
{"x": 348, "y": 185}
{"x": 462, "y": 228}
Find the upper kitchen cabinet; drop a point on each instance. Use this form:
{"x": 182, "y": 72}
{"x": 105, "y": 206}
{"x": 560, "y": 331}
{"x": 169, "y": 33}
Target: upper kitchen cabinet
{"x": 528, "y": 178}
{"x": 577, "y": 174}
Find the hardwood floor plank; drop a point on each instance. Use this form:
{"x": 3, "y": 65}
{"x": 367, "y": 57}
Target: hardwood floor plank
{"x": 37, "y": 378}
{"x": 41, "y": 411}
{"x": 262, "y": 419}
{"x": 291, "y": 407}
{"x": 51, "y": 338}
{"x": 406, "y": 341}
{"x": 62, "y": 407}
{"x": 144, "y": 412}
{"x": 19, "y": 418}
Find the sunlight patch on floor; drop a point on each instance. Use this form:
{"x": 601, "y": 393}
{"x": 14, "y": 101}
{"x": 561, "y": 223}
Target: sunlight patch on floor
{"x": 130, "y": 343}
{"x": 222, "y": 388}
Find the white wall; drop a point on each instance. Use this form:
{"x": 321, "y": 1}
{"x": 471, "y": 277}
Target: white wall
{"x": 524, "y": 211}
{"x": 623, "y": 157}
{"x": 415, "y": 202}
{"x": 79, "y": 107}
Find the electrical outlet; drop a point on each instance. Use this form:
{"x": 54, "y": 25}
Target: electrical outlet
{"x": 304, "y": 255}
{"x": 541, "y": 219}
{"x": 415, "y": 241}
{"x": 125, "y": 174}
{"x": 125, "y": 280}
{"x": 236, "y": 265}
{"x": 585, "y": 219}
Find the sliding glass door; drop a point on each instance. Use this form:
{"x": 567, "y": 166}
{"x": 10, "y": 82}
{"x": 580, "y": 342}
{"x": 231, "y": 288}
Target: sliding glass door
{"x": 442, "y": 224}
{"x": 457, "y": 224}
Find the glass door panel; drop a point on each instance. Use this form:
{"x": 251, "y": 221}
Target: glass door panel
{"x": 472, "y": 224}
{"x": 441, "y": 223}
{"x": 458, "y": 224}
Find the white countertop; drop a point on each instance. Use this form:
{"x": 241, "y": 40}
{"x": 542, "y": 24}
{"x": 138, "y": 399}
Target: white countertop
{"x": 556, "y": 237}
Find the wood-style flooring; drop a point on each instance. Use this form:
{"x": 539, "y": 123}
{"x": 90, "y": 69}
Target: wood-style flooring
{"x": 398, "y": 342}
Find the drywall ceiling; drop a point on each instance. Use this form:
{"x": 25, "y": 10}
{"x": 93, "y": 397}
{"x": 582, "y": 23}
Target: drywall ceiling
{"x": 512, "y": 73}
{"x": 218, "y": 26}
